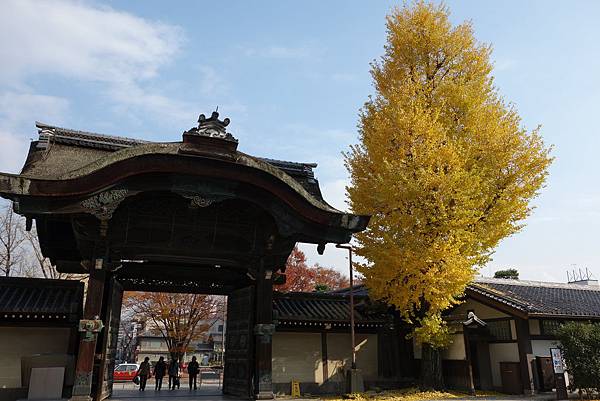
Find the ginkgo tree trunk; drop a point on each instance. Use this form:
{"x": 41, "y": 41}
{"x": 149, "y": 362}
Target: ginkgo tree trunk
{"x": 444, "y": 166}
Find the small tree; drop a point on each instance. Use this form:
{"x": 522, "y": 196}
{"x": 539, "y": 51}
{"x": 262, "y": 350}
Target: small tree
{"x": 35, "y": 264}
{"x": 328, "y": 279}
{"x": 300, "y": 277}
{"x": 176, "y": 317}
{"x": 125, "y": 345}
{"x": 580, "y": 345}
{"x": 512, "y": 274}
{"x": 12, "y": 240}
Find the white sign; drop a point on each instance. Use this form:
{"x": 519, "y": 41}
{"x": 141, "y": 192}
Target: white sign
{"x": 557, "y": 361}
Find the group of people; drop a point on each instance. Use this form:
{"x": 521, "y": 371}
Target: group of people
{"x": 173, "y": 369}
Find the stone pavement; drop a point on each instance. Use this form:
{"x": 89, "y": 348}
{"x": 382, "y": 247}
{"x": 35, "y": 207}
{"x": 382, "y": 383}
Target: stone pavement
{"x": 207, "y": 391}
{"x": 211, "y": 391}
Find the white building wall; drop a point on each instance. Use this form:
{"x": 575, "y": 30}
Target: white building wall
{"x": 339, "y": 355}
{"x": 502, "y": 352}
{"x": 542, "y": 347}
{"x": 16, "y": 342}
{"x": 456, "y": 350}
{"x": 482, "y": 311}
{"x": 297, "y": 356}
{"x": 513, "y": 329}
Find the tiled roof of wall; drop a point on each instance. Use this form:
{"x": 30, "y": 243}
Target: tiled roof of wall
{"x": 26, "y": 299}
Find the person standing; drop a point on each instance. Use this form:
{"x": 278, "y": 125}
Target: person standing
{"x": 160, "y": 369}
{"x": 143, "y": 373}
{"x": 173, "y": 374}
{"x": 193, "y": 369}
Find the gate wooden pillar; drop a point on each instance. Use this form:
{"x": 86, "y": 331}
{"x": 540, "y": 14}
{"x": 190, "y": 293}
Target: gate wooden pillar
{"x": 88, "y": 331}
{"x": 525, "y": 353}
{"x": 107, "y": 340}
{"x": 263, "y": 332}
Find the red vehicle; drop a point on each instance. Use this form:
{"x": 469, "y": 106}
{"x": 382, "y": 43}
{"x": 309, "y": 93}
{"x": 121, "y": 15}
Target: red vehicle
{"x": 125, "y": 372}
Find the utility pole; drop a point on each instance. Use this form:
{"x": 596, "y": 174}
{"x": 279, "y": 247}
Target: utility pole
{"x": 352, "y": 339}
{"x": 354, "y": 379}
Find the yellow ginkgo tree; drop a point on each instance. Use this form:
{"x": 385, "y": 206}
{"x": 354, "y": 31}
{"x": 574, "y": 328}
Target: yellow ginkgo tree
{"x": 444, "y": 166}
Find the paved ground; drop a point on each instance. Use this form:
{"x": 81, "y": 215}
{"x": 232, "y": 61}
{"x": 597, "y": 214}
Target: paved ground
{"x": 208, "y": 390}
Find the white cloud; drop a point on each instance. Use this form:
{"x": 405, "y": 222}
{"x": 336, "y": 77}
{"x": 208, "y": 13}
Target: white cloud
{"x": 334, "y": 193}
{"x": 18, "y": 111}
{"x": 211, "y": 83}
{"x": 12, "y": 151}
{"x": 80, "y": 41}
{"x": 17, "y": 107}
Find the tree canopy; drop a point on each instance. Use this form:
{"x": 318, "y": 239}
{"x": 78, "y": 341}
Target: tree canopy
{"x": 300, "y": 277}
{"x": 579, "y": 345}
{"x": 507, "y": 273}
{"x": 443, "y": 165}
{"x": 178, "y": 318}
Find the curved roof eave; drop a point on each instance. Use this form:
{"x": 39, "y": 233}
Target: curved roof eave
{"x": 19, "y": 185}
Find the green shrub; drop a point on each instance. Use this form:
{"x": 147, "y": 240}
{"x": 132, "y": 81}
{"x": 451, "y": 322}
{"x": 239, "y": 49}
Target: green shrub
{"x": 581, "y": 350}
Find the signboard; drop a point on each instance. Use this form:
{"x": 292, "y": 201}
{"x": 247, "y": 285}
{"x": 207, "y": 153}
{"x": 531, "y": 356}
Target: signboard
{"x": 557, "y": 361}
{"x": 295, "y": 388}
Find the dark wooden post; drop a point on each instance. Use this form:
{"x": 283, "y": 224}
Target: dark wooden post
{"x": 89, "y": 328}
{"x": 107, "y": 340}
{"x": 263, "y": 331}
{"x": 324, "y": 357}
{"x": 467, "y": 341}
{"x": 525, "y": 349}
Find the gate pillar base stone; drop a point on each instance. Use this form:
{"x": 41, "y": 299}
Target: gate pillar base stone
{"x": 81, "y": 398}
{"x": 265, "y": 395}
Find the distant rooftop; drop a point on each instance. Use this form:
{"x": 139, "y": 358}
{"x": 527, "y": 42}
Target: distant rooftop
{"x": 538, "y": 298}
{"x": 534, "y": 298}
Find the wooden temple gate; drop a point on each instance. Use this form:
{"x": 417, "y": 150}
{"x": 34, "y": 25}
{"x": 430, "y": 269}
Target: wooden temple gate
{"x": 195, "y": 216}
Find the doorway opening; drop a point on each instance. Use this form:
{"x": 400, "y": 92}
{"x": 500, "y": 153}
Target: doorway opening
{"x": 170, "y": 329}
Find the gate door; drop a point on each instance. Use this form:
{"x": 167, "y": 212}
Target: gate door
{"x": 112, "y": 319}
{"x": 239, "y": 345}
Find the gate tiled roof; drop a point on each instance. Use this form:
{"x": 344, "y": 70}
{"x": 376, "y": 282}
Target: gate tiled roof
{"x": 93, "y": 145}
{"x": 318, "y": 308}
{"x": 40, "y": 300}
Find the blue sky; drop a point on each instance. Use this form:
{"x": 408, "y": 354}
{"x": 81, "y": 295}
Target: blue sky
{"x": 292, "y": 76}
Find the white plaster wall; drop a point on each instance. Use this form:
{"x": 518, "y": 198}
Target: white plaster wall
{"x": 502, "y": 352}
{"x": 339, "y": 358}
{"x": 16, "y": 342}
{"x": 153, "y": 356}
{"x": 542, "y": 347}
{"x": 513, "y": 329}
{"x": 534, "y": 327}
{"x": 297, "y": 356}
{"x": 482, "y": 311}
{"x": 456, "y": 350}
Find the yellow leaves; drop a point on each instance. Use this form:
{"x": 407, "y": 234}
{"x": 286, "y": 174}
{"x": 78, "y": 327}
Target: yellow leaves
{"x": 434, "y": 331}
{"x": 443, "y": 164}
{"x": 405, "y": 394}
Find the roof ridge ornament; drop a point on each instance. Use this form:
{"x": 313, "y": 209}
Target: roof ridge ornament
{"x": 210, "y": 136}
{"x": 212, "y": 127}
